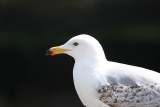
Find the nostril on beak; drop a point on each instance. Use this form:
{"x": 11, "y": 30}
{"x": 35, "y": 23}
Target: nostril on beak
{"x": 48, "y": 52}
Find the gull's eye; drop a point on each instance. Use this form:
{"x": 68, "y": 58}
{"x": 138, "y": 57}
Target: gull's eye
{"x": 75, "y": 44}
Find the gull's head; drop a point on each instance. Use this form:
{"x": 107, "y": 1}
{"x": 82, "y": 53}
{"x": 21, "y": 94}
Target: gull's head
{"x": 81, "y": 46}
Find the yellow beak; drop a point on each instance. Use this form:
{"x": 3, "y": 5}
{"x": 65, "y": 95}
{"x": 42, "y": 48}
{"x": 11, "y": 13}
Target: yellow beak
{"x": 55, "y": 50}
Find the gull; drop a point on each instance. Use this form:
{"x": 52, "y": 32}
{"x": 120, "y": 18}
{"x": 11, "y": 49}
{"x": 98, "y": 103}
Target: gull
{"x": 103, "y": 83}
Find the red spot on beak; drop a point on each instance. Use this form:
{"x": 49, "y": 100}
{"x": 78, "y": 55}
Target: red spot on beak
{"x": 52, "y": 53}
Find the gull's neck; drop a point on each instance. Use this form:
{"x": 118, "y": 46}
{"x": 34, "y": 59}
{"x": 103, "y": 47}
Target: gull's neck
{"x": 88, "y": 58}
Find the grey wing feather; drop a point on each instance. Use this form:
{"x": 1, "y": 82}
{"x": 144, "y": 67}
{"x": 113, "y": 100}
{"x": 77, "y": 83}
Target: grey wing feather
{"x": 129, "y": 93}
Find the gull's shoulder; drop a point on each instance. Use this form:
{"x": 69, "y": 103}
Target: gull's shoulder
{"x": 138, "y": 74}
{"x": 125, "y": 68}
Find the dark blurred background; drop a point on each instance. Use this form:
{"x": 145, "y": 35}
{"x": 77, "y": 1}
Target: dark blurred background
{"x": 129, "y": 31}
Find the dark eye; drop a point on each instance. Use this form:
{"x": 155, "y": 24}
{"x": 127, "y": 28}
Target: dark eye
{"x": 75, "y": 44}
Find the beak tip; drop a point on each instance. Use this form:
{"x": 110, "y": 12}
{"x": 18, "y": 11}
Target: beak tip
{"x": 48, "y": 52}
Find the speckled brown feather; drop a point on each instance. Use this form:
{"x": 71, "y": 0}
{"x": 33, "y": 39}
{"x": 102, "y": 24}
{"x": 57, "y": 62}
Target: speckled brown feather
{"x": 130, "y": 96}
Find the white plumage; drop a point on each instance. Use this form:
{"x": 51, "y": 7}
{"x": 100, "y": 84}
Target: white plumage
{"x": 101, "y": 83}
